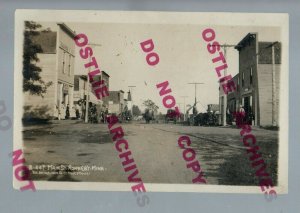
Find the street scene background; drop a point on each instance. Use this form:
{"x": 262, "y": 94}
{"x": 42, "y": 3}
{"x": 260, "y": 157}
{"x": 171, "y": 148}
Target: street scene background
{"x": 64, "y": 124}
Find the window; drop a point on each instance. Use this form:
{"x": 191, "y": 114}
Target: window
{"x": 64, "y": 62}
{"x": 69, "y": 67}
{"x": 251, "y": 76}
{"x": 76, "y": 83}
{"x": 243, "y": 79}
{"x": 238, "y": 84}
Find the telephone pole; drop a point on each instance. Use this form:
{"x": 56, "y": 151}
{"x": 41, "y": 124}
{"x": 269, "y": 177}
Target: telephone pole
{"x": 196, "y": 83}
{"x": 184, "y": 97}
{"x": 194, "y": 107}
{"x": 224, "y": 47}
{"x": 88, "y": 87}
{"x": 274, "y": 122}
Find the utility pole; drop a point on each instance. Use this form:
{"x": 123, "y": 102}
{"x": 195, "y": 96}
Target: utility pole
{"x": 87, "y": 100}
{"x": 194, "y": 107}
{"x": 224, "y": 47}
{"x": 274, "y": 122}
{"x": 184, "y": 106}
{"x": 178, "y": 116}
{"x": 196, "y": 83}
{"x": 88, "y": 87}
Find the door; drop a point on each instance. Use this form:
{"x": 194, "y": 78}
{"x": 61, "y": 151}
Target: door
{"x": 248, "y": 110}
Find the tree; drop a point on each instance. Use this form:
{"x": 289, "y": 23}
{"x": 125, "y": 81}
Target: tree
{"x": 150, "y": 110}
{"x": 32, "y": 81}
{"x": 136, "y": 110}
{"x": 150, "y": 105}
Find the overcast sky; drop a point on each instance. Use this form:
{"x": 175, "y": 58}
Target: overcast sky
{"x": 183, "y": 58}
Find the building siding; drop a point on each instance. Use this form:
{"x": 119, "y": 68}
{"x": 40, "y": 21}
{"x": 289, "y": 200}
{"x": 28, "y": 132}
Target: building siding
{"x": 51, "y": 60}
{"x": 43, "y": 107}
{"x": 66, "y": 51}
{"x": 265, "y": 93}
{"x": 254, "y": 92}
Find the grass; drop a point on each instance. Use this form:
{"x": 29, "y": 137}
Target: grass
{"x": 237, "y": 169}
{"x": 275, "y": 128}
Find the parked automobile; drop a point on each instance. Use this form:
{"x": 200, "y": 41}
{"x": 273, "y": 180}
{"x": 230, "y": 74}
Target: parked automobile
{"x": 171, "y": 115}
{"x": 206, "y": 119}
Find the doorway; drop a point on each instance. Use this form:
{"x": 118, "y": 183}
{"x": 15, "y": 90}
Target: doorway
{"x": 248, "y": 109}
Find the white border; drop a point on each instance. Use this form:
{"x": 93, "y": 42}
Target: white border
{"x": 223, "y": 19}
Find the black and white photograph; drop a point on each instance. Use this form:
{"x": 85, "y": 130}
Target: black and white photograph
{"x": 175, "y": 84}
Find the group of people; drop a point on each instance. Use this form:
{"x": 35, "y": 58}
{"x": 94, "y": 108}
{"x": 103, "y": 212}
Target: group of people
{"x": 78, "y": 111}
{"x": 97, "y": 115}
{"x": 63, "y": 112}
{"x": 248, "y": 118}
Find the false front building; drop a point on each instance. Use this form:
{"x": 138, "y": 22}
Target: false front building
{"x": 82, "y": 88}
{"x": 257, "y": 83}
{"x": 115, "y": 102}
{"x": 56, "y": 61}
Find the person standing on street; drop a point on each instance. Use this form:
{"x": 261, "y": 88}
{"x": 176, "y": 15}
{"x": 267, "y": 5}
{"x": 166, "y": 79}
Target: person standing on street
{"x": 62, "y": 111}
{"x": 77, "y": 111}
{"x": 68, "y": 112}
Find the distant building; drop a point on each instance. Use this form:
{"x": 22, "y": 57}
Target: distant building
{"x": 115, "y": 101}
{"x": 92, "y": 98}
{"x": 233, "y": 97}
{"x": 213, "y": 108}
{"x": 80, "y": 91}
{"x": 57, "y": 64}
{"x": 257, "y": 83}
{"x": 80, "y": 88}
{"x": 128, "y": 102}
{"x": 105, "y": 77}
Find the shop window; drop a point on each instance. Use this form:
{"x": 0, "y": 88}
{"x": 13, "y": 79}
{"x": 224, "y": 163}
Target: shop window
{"x": 243, "y": 79}
{"x": 69, "y": 66}
{"x": 64, "y": 62}
{"x": 76, "y": 83}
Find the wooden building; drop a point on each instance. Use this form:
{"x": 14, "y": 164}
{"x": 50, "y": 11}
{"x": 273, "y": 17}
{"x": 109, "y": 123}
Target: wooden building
{"x": 57, "y": 63}
{"x": 258, "y": 80}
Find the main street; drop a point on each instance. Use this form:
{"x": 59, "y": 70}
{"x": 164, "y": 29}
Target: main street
{"x": 155, "y": 150}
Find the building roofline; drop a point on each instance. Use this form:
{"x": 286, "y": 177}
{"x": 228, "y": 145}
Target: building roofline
{"x": 105, "y": 73}
{"x": 117, "y": 91}
{"x": 67, "y": 29}
{"x": 241, "y": 44}
{"x": 219, "y": 81}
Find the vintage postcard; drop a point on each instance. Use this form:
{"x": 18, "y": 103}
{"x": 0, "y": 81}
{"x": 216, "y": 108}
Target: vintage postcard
{"x": 151, "y": 101}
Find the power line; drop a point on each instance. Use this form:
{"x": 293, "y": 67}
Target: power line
{"x": 224, "y": 47}
{"x": 196, "y": 83}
